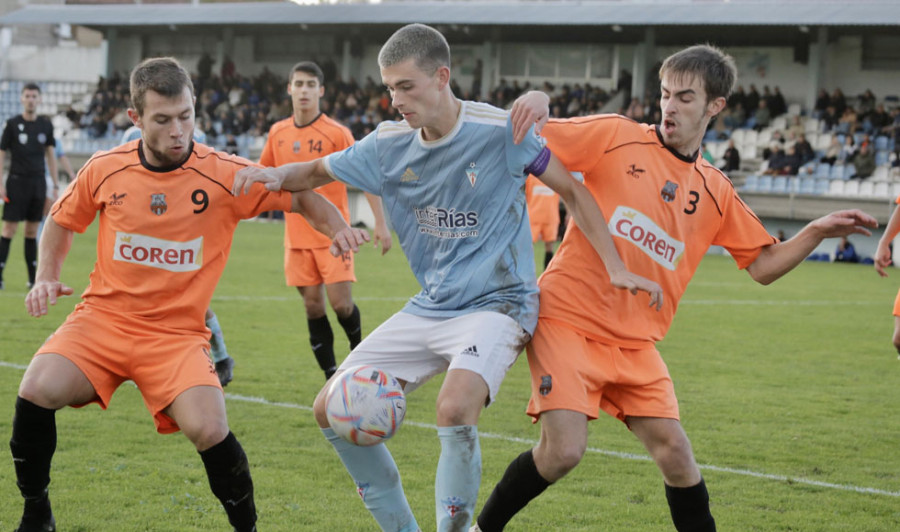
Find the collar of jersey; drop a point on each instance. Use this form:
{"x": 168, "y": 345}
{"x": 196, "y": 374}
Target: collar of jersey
{"x": 449, "y": 136}
{"x": 685, "y": 158}
{"x": 163, "y": 169}
{"x": 311, "y": 122}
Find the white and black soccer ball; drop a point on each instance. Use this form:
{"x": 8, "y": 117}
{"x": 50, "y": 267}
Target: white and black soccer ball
{"x": 365, "y": 405}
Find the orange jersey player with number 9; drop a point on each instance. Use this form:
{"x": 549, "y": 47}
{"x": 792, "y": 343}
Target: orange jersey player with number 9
{"x": 166, "y": 221}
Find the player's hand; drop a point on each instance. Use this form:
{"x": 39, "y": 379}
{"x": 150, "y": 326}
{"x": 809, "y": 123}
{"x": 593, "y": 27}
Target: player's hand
{"x": 845, "y": 223}
{"x": 532, "y": 108}
{"x": 36, "y": 301}
{"x": 382, "y": 237}
{"x": 348, "y": 240}
{"x": 882, "y": 259}
{"x": 634, "y": 283}
{"x": 270, "y": 177}
{"x": 3, "y": 191}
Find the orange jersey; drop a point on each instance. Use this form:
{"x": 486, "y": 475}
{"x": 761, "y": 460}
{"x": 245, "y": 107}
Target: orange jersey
{"x": 663, "y": 211}
{"x": 288, "y": 143}
{"x": 164, "y": 234}
{"x": 543, "y": 202}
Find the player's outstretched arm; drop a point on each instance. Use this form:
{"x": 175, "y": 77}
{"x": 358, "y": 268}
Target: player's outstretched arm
{"x": 531, "y": 108}
{"x": 292, "y": 177}
{"x": 381, "y": 233}
{"x": 587, "y": 214}
{"x": 55, "y": 244}
{"x": 883, "y": 257}
{"x": 327, "y": 219}
{"x": 777, "y": 259}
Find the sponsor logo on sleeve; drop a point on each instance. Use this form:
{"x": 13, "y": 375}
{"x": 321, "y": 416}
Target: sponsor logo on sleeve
{"x": 635, "y": 227}
{"x": 158, "y": 253}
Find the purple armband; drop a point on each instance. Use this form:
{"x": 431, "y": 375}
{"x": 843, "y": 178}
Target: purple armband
{"x": 539, "y": 165}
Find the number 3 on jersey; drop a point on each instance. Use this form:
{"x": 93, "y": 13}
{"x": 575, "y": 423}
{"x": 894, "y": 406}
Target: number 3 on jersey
{"x": 692, "y": 203}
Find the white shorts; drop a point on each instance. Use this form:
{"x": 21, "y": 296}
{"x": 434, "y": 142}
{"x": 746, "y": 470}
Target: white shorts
{"x": 414, "y": 348}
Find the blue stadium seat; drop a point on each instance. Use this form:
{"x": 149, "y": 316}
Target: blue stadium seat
{"x": 821, "y": 186}
{"x": 751, "y": 184}
{"x": 881, "y": 156}
{"x": 780, "y": 185}
{"x": 807, "y": 185}
{"x": 765, "y": 183}
{"x": 881, "y": 143}
{"x": 849, "y": 170}
{"x": 823, "y": 171}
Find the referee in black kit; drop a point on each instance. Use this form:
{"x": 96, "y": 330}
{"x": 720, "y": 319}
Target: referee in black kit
{"x": 29, "y": 139}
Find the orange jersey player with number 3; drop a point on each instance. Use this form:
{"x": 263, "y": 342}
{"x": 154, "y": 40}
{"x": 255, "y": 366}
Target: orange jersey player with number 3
{"x": 596, "y": 350}
{"x": 166, "y": 221}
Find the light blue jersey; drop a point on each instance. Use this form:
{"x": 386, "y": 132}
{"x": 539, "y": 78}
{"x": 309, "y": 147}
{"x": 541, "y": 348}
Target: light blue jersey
{"x": 458, "y": 206}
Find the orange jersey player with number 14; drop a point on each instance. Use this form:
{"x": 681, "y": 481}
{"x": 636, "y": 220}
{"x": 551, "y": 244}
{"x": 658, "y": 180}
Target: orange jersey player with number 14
{"x": 166, "y": 221}
{"x": 595, "y": 350}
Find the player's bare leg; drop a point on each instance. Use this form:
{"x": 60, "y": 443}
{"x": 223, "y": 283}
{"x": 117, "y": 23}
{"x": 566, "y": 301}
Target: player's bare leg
{"x": 50, "y": 383}
{"x": 561, "y": 447}
{"x": 897, "y": 335}
{"x": 686, "y": 492}
{"x": 200, "y": 414}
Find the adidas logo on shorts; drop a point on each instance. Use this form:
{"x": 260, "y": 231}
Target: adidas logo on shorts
{"x": 471, "y": 351}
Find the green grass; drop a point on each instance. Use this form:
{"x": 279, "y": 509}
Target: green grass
{"x": 795, "y": 383}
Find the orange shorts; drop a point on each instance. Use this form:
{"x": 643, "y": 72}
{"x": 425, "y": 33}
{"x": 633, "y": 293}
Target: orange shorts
{"x": 572, "y": 372}
{"x": 311, "y": 267}
{"x": 110, "y": 349}
{"x": 897, "y": 305}
{"x": 544, "y": 231}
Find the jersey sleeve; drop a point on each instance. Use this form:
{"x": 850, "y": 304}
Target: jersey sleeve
{"x": 527, "y": 155}
{"x": 580, "y": 144}
{"x": 357, "y": 165}
{"x": 77, "y": 207}
{"x": 741, "y": 232}
{"x": 260, "y": 200}
{"x": 51, "y": 140}
{"x": 267, "y": 158}
{"x": 7, "y": 136}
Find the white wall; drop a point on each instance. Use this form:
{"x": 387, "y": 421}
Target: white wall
{"x": 65, "y": 63}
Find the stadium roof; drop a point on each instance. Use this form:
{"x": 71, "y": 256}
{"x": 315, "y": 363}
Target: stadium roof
{"x": 562, "y": 13}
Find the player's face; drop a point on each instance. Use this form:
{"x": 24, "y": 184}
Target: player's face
{"x": 305, "y": 92}
{"x": 30, "y": 99}
{"x": 685, "y": 112}
{"x": 167, "y": 127}
{"x": 415, "y": 94}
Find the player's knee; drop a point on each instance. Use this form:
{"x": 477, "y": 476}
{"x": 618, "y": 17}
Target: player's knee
{"x": 452, "y": 413}
{"x": 206, "y": 433}
{"x": 897, "y": 341}
{"x": 560, "y": 457}
{"x": 44, "y": 392}
{"x": 343, "y": 308}
{"x": 676, "y": 460}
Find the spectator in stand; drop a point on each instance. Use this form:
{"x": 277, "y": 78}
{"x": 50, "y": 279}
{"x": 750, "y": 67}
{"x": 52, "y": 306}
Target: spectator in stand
{"x": 791, "y": 162}
{"x": 778, "y": 103}
{"x": 795, "y": 129}
{"x": 775, "y": 159}
{"x": 830, "y": 119}
{"x": 838, "y": 101}
{"x": 763, "y": 116}
{"x": 804, "y": 149}
{"x": 823, "y": 101}
{"x": 866, "y": 103}
{"x": 845, "y": 251}
{"x": 864, "y": 162}
{"x": 848, "y": 122}
{"x": 848, "y": 150}
{"x": 879, "y": 120}
{"x": 833, "y": 151}
{"x": 738, "y": 97}
{"x": 732, "y": 158}
{"x": 751, "y": 101}
{"x": 706, "y": 154}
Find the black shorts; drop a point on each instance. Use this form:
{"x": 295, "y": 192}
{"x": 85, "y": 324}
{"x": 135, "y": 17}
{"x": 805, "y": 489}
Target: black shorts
{"x": 26, "y": 199}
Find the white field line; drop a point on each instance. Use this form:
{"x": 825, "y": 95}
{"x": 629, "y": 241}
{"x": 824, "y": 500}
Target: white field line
{"x": 595, "y": 450}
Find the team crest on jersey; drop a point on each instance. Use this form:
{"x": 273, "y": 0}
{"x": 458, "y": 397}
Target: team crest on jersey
{"x": 42, "y": 138}
{"x": 158, "y": 204}
{"x": 546, "y": 384}
{"x": 452, "y": 505}
{"x": 296, "y": 146}
{"x": 23, "y": 138}
{"x": 668, "y": 191}
{"x": 472, "y": 173}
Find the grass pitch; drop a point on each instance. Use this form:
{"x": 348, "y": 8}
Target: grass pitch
{"x": 788, "y": 392}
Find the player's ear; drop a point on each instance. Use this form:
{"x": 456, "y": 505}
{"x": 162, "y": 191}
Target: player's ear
{"x": 443, "y": 74}
{"x": 135, "y": 118}
{"x": 715, "y": 107}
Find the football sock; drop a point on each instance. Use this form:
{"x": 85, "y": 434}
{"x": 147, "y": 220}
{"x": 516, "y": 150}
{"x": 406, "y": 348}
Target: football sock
{"x": 377, "y": 482}
{"x": 217, "y": 341}
{"x": 547, "y": 256}
{"x": 690, "y": 508}
{"x": 353, "y": 327}
{"x": 520, "y": 483}
{"x": 322, "y": 341}
{"x": 458, "y": 477}
{"x": 4, "y": 253}
{"x": 229, "y": 479}
{"x": 31, "y": 258}
{"x": 32, "y": 444}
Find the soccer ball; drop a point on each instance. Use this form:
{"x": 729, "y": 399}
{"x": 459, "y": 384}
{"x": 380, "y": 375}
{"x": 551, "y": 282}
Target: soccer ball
{"x": 365, "y": 405}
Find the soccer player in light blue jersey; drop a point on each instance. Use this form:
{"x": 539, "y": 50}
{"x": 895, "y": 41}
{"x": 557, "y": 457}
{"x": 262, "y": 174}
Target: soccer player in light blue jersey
{"x": 453, "y": 184}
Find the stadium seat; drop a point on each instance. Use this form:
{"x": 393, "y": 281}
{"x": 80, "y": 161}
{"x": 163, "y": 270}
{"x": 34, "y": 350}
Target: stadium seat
{"x": 881, "y": 143}
{"x": 812, "y": 126}
{"x": 780, "y": 185}
{"x": 881, "y": 157}
{"x": 882, "y": 173}
{"x": 849, "y": 170}
{"x": 882, "y": 190}
{"x": 867, "y": 189}
{"x": 751, "y": 183}
{"x": 851, "y": 188}
{"x": 807, "y": 185}
{"x": 836, "y": 187}
{"x": 823, "y": 141}
{"x": 794, "y": 109}
{"x": 764, "y": 137}
{"x": 738, "y": 136}
{"x": 821, "y": 186}
{"x": 765, "y": 183}
{"x": 823, "y": 171}
{"x": 779, "y": 123}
